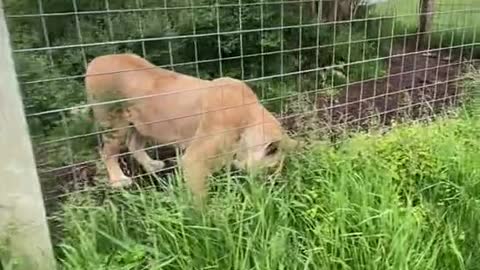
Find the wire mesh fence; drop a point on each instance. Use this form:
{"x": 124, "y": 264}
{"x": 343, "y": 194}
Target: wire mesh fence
{"x": 321, "y": 67}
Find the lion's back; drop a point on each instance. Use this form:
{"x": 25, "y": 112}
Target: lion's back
{"x": 125, "y": 74}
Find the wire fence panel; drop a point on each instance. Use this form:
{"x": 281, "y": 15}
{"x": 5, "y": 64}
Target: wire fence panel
{"x": 322, "y": 68}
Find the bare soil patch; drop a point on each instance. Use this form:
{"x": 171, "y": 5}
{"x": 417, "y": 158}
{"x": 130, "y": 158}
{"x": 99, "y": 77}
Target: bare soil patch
{"x": 418, "y": 85}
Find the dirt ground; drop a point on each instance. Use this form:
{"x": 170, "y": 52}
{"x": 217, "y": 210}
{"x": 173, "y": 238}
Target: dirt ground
{"x": 418, "y": 84}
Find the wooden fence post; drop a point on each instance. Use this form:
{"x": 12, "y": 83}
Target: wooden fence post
{"x": 24, "y": 235}
{"x": 427, "y": 8}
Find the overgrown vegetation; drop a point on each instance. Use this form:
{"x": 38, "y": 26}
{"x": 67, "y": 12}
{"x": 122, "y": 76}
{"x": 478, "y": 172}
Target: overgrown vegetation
{"x": 406, "y": 200}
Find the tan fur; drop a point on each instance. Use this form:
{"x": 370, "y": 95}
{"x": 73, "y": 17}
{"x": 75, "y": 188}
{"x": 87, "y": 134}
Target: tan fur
{"x": 214, "y": 121}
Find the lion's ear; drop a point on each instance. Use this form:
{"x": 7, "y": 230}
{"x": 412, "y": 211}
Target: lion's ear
{"x": 272, "y": 148}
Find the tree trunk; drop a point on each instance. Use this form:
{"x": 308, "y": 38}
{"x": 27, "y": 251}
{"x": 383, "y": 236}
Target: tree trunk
{"x": 427, "y": 7}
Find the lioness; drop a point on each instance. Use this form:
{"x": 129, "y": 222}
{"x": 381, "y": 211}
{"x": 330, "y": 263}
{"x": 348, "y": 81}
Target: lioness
{"x": 215, "y": 122}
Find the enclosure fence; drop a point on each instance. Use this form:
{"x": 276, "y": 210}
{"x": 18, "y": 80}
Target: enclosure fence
{"x": 321, "y": 67}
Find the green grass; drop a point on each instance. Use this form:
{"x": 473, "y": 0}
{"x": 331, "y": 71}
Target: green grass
{"x": 449, "y": 13}
{"x": 409, "y": 199}
{"x": 456, "y": 22}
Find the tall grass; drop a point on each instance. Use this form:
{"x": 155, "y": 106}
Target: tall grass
{"x": 406, "y": 200}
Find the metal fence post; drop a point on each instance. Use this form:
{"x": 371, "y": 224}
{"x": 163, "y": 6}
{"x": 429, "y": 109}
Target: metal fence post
{"x": 24, "y": 235}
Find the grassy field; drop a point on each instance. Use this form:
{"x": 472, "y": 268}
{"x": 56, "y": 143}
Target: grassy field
{"x": 456, "y": 22}
{"x": 409, "y": 199}
{"x": 449, "y": 13}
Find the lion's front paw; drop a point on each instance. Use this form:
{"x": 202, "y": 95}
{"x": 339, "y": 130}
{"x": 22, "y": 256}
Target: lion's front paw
{"x": 155, "y": 166}
{"x": 122, "y": 182}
